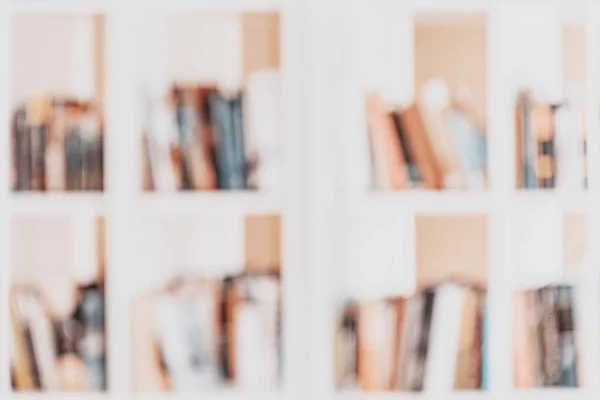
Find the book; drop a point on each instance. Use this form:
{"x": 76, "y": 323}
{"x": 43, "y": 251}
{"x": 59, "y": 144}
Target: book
{"x": 444, "y": 338}
{"x": 390, "y": 166}
{"x": 421, "y": 149}
{"x": 567, "y": 342}
{"x": 186, "y": 326}
{"x": 226, "y": 116}
{"x": 262, "y": 126}
{"x": 467, "y": 363}
{"x": 347, "y": 348}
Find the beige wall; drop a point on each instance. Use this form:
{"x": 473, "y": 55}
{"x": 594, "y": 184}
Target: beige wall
{"x": 573, "y": 47}
{"x": 452, "y": 247}
{"x": 456, "y": 53}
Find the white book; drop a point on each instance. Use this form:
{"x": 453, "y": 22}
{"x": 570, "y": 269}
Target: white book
{"x": 569, "y": 155}
{"x": 188, "y": 342}
{"x": 161, "y": 133}
{"x": 444, "y": 338}
{"x": 42, "y": 338}
{"x": 262, "y": 127}
{"x": 251, "y": 346}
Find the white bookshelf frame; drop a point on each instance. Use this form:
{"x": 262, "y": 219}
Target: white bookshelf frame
{"x": 310, "y": 58}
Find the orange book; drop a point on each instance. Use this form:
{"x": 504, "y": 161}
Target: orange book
{"x": 524, "y": 376}
{"x": 419, "y": 146}
{"x": 519, "y": 132}
{"x": 399, "y": 304}
{"x": 391, "y": 171}
{"x": 148, "y": 375}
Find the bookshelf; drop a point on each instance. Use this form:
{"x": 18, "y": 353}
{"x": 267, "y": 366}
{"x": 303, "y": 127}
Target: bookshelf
{"x": 315, "y": 210}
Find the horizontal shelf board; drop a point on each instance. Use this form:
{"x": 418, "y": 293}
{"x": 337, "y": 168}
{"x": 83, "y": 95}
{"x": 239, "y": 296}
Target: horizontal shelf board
{"x": 229, "y": 394}
{"x": 525, "y": 394}
{"x": 566, "y": 201}
{"x": 60, "y": 6}
{"x": 100, "y": 6}
{"x": 459, "y": 395}
{"x": 46, "y": 203}
{"x": 217, "y": 202}
{"x": 423, "y": 201}
{"x": 204, "y": 5}
{"x": 216, "y": 395}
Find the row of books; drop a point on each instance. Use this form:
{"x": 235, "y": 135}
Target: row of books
{"x": 550, "y": 143}
{"x": 431, "y": 144}
{"x": 434, "y": 340}
{"x": 545, "y": 338}
{"x": 58, "y": 338}
{"x": 57, "y": 145}
{"x": 201, "y": 334}
{"x": 200, "y": 138}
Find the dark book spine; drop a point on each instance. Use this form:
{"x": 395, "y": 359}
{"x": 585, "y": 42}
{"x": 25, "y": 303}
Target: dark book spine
{"x": 566, "y": 327}
{"x": 413, "y": 171}
{"x": 423, "y": 341}
{"x": 35, "y": 373}
{"x": 182, "y": 133}
{"x": 21, "y": 150}
{"x": 74, "y": 152}
{"x": 226, "y": 325}
{"x": 220, "y": 120}
{"x": 550, "y": 337}
{"x": 239, "y": 170}
{"x": 38, "y": 160}
{"x": 90, "y": 314}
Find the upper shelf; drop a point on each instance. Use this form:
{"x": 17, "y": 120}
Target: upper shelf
{"x": 449, "y": 202}
{"x": 100, "y": 6}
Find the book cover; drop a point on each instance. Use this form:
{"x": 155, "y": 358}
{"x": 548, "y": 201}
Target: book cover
{"x": 567, "y": 342}
{"x": 391, "y": 171}
{"x": 550, "y": 337}
{"x": 38, "y": 114}
{"x": 55, "y": 158}
{"x": 420, "y": 147}
{"x": 444, "y": 338}
{"x": 467, "y": 343}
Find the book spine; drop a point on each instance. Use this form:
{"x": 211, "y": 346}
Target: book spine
{"x": 444, "y": 338}
{"x": 550, "y": 337}
{"x": 262, "y": 118}
{"x": 413, "y": 171}
{"x": 568, "y": 349}
{"x": 22, "y": 150}
{"x": 422, "y": 347}
{"x": 38, "y": 161}
{"x": 55, "y": 151}
{"x": 239, "y": 159}
{"x": 183, "y": 130}
{"x": 484, "y": 346}
{"x": 92, "y": 348}
{"x": 74, "y": 151}
{"x": 529, "y": 145}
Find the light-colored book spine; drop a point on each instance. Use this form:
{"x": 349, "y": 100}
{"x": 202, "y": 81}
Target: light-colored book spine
{"x": 444, "y": 339}
{"x": 55, "y": 152}
{"x": 43, "y": 341}
{"x": 162, "y": 132}
{"x": 262, "y": 130}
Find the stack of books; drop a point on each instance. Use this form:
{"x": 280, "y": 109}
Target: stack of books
{"x": 200, "y": 334}
{"x": 545, "y": 338}
{"x": 57, "y": 145}
{"x": 58, "y": 338}
{"x": 433, "y": 340}
{"x": 200, "y": 138}
{"x": 551, "y": 144}
{"x": 426, "y": 145}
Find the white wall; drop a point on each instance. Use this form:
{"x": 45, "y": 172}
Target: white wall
{"x": 52, "y": 54}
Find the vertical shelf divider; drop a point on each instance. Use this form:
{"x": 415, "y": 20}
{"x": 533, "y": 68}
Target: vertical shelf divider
{"x": 590, "y": 325}
{"x": 122, "y": 185}
{"x": 5, "y": 206}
